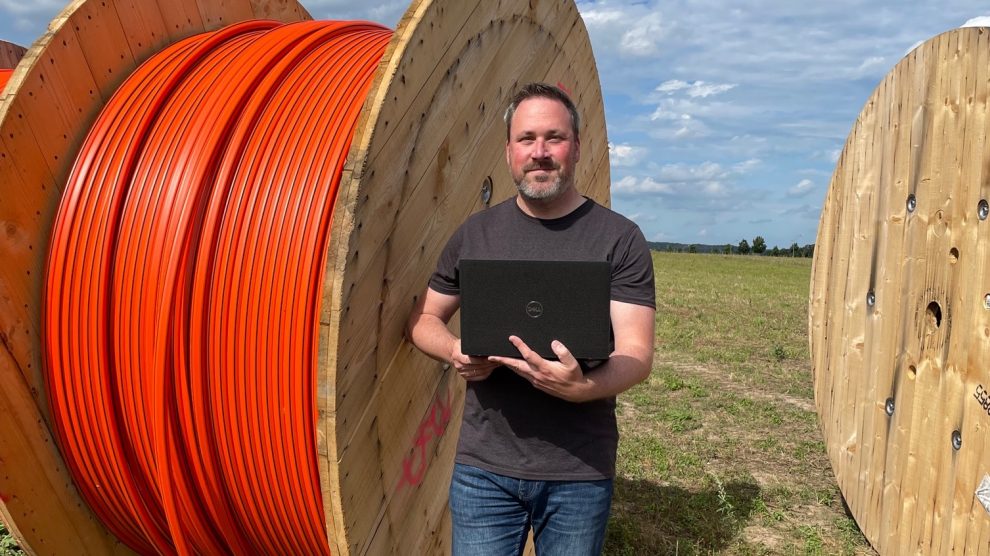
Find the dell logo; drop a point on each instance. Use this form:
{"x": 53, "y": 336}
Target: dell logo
{"x": 534, "y": 309}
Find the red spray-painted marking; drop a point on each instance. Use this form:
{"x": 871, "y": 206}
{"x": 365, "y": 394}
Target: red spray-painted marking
{"x": 414, "y": 466}
{"x": 565, "y": 89}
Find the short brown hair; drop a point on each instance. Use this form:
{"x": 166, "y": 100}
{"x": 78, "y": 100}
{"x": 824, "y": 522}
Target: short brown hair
{"x": 542, "y": 90}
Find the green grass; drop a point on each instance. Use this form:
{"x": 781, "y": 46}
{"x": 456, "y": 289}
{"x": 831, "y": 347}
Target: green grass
{"x": 8, "y": 546}
{"x": 720, "y": 450}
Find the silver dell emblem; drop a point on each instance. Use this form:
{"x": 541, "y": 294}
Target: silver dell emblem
{"x": 534, "y": 309}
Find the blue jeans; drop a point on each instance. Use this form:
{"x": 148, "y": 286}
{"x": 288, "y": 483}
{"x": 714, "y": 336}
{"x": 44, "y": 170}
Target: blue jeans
{"x": 492, "y": 513}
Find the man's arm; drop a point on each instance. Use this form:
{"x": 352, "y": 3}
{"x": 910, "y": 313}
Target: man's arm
{"x": 629, "y": 364}
{"x": 427, "y": 330}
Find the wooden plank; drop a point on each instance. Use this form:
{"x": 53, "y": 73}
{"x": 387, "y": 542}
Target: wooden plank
{"x": 973, "y": 261}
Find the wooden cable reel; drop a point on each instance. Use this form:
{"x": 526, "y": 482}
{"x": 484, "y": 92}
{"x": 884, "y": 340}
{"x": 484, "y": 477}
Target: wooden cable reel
{"x": 900, "y": 305}
{"x": 10, "y": 55}
{"x": 430, "y": 140}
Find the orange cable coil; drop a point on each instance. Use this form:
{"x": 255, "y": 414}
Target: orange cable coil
{"x": 183, "y": 284}
{"x": 5, "y": 77}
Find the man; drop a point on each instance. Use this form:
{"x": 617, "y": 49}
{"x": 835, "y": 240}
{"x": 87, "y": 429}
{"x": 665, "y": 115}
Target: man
{"x": 538, "y": 437}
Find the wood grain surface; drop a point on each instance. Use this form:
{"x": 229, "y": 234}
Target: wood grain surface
{"x": 900, "y": 314}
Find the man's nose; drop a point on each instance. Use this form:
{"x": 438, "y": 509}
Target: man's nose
{"x": 539, "y": 149}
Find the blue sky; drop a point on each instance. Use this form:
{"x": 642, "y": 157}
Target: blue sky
{"x": 725, "y": 119}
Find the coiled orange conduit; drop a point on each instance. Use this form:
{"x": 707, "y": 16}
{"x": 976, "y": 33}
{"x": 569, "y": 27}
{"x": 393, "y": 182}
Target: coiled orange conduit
{"x": 5, "y": 77}
{"x": 183, "y": 282}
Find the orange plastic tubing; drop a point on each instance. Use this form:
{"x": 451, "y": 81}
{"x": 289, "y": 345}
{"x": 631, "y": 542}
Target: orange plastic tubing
{"x": 183, "y": 283}
{"x": 5, "y": 77}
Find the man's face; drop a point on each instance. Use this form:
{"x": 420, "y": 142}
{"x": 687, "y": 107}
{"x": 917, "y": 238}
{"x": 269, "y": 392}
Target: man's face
{"x": 542, "y": 150}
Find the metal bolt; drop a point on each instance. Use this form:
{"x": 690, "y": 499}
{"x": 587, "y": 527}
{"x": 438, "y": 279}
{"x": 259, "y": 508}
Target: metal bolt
{"x": 889, "y": 406}
{"x": 912, "y": 202}
{"x": 871, "y": 298}
{"x": 486, "y": 191}
{"x": 956, "y": 440}
{"x": 983, "y": 209}
{"x": 986, "y": 301}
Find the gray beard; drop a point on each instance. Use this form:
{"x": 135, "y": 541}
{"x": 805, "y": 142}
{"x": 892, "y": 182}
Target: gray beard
{"x": 542, "y": 193}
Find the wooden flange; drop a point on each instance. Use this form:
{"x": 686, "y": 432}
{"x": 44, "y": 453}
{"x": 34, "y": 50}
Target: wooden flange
{"x": 431, "y": 140}
{"x": 10, "y": 54}
{"x": 50, "y": 102}
{"x": 900, "y": 304}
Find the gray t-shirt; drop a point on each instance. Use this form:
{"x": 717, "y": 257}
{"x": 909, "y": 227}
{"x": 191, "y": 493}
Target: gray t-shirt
{"x": 509, "y": 427}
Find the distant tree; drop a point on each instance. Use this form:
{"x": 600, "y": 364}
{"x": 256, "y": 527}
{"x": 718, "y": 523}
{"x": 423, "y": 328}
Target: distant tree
{"x": 808, "y": 250}
{"x": 727, "y": 249}
{"x": 692, "y": 248}
{"x": 795, "y": 250}
{"x": 759, "y": 245}
{"x": 775, "y": 252}
{"x": 744, "y": 247}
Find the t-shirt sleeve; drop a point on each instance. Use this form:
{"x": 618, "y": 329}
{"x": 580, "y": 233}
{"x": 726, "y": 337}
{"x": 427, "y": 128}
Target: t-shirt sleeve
{"x": 446, "y": 277}
{"x": 632, "y": 270}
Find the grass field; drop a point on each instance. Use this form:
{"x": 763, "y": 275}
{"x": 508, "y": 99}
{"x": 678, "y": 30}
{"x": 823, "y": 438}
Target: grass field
{"x": 721, "y": 451}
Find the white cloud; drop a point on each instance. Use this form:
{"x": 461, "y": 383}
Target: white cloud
{"x": 630, "y": 185}
{"x": 979, "y": 21}
{"x": 704, "y": 186}
{"x": 595, "y": 19}
{"x": 685, "y": 172}
{"x": 747, "y": 165}
{"x": 645, "y": 36}
{"x": 625, "y": 155}
{"x": 679, "y": 125}
{"x": 871, "y": 63}
{"x": 685, "y": 106}
{"x": 698, "y": 89}
{"x": 802, "y": 188}
{"x": 627, "y": 31}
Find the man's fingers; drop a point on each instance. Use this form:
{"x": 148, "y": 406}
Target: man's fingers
{"x": 529, "y": 355}
{"x": 563, "y": 354}
{"x": 509, "y": 362}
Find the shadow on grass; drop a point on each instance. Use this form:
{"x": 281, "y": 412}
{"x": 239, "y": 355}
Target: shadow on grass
{"x": 652, "y": 519}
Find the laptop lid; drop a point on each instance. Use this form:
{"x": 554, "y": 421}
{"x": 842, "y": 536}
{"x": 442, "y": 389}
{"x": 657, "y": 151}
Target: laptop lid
{"x": 538, "y": 301}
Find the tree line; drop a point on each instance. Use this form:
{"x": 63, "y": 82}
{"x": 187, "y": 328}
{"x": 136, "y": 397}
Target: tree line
{"x": 744, "y": 247}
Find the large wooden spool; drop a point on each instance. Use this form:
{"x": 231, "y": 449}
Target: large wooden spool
{"x": 900, "y": 304}
{"x": 431, "y": 137}
{"x": 10, "y": 54}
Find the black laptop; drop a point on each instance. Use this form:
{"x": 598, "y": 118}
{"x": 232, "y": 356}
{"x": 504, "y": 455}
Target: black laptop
{"x": 538, "y": 301}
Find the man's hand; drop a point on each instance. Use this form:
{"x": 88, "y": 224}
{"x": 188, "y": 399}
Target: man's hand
{"x": 472, "y": 369}
{"x": 628, "y": 365}
{"x": 563, "y": 379}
